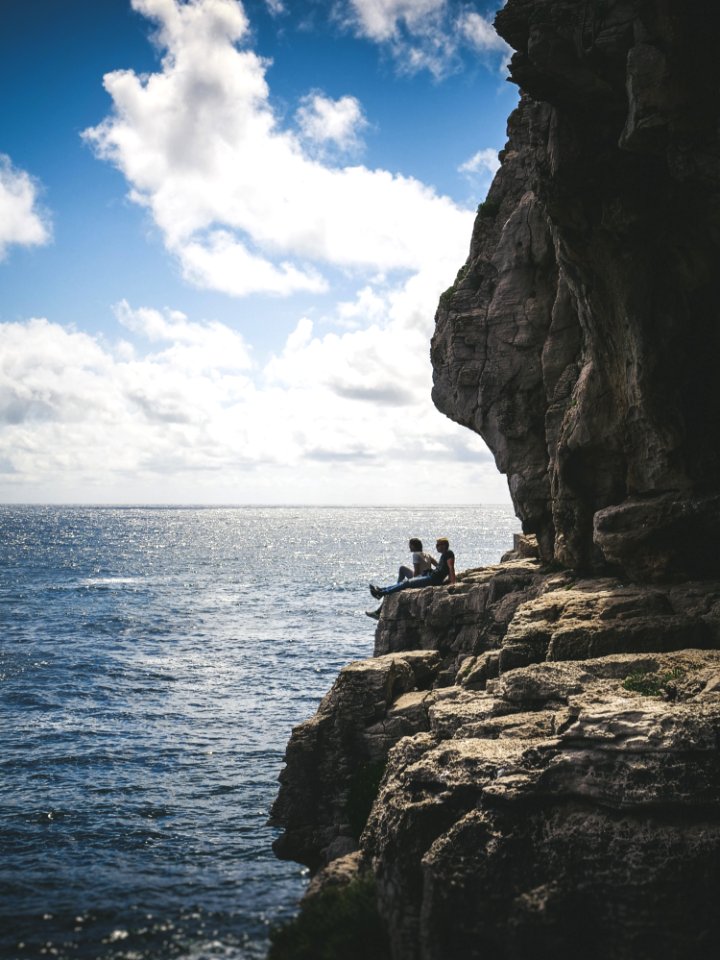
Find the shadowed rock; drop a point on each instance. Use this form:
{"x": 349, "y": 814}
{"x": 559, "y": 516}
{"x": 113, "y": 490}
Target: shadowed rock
{"x": 581, "y": 336}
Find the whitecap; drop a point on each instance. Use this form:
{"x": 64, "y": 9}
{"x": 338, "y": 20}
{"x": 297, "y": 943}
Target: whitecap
{"x": 108, "y": 581}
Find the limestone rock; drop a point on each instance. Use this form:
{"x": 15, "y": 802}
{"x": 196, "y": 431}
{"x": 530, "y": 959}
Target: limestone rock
{"x": 338, "y": 873}
{"x": 581, "y": 336}
{"x": 525, "y": 547}
{"x": 466, "y": 618}
{"x": 332, "y": 759}
{"x": 507, "y": 616}
{"x": 577, "y": 811}
{"x": 537, "y": 745}
{"x": 556, "y": 778}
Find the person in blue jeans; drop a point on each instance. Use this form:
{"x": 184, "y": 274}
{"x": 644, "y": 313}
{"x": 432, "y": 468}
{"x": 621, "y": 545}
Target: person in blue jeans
{"x": 444, "y": 571}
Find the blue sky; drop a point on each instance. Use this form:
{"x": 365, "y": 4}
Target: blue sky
{"x": 223, "y": 231}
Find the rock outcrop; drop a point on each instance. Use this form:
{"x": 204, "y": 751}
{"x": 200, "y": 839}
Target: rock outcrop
{"x": 524, "y": 782}
{"x": 581, "y": 337}
{"x": 567, "y": 809}
{"x": 334, "y": 761}
{"x": 529, "y": 766}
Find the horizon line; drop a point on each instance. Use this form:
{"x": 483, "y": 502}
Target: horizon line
{"x": 231, "y": 505}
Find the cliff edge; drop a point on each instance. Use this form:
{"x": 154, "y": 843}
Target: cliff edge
{"x": 530, "y": 764}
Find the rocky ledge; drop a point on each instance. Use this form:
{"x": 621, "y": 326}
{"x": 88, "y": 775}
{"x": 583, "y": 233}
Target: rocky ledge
{"x": 531, "y": 756}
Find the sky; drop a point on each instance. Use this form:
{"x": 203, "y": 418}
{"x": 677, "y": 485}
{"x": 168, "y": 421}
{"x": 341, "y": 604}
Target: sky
{"x": 224, "y": 229}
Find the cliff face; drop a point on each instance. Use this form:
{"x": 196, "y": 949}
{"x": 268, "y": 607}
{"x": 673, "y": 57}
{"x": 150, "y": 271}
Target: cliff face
{"x": 580, "y": 338}
{"x": 556, "y": 814}
{"x": 530, "y": 764}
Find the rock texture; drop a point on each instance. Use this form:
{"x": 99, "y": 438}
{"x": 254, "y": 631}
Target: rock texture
{"x": 581, "y": 337}
{"x": 525, "y": 783}
{"x": 507, "y": 616}
{"x": 558, "y": 765}
{"x": 334, "y": 760}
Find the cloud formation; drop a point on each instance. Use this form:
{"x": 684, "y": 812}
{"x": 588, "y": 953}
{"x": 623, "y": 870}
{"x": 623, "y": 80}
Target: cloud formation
{"x": 480, "y": 33}
{"x": 248, "y": 204}
{"x": 323, "y": 121}
{"x": 184, "y": 410}
{"x": 383, "y": 20}
{"x": 22, "y": 221}
{"x": 480, "y": 168}
{"x": 240, "y": 201}
{"x": 426, "y": 34}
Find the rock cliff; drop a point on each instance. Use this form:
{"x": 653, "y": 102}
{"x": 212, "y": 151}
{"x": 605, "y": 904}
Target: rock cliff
{"x": 580, "y": 338}
{"x": 531, "y": 760}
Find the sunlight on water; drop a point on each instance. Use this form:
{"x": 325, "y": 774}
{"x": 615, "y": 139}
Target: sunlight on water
{"x": 153, "y": 664}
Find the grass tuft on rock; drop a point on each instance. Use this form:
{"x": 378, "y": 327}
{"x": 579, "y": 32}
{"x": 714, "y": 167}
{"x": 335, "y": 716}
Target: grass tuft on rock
{"x": 489, "y": 209}
{"x": 653, "y": 684}
{"x": 340, "y": 922}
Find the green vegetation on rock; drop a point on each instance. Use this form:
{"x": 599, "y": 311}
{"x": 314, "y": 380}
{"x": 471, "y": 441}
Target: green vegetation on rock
{"x": 652, "y": 684}
{"x": 446, "y": 295}
{"x": 489, "y": 209}
{"x": 340, "y": 922}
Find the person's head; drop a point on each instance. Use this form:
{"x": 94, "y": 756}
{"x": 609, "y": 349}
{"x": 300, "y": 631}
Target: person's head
{"x": 442, "y": 544}
{"x": 415, "y": 544}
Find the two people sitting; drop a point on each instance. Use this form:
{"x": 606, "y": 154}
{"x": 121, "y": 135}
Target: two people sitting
{"x": 426, "y": 572}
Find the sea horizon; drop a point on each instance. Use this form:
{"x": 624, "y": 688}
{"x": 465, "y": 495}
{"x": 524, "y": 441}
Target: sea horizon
{"x": 149, "y": 505}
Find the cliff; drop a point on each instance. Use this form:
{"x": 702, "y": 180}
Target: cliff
{"x": 530, "y": 761}
{"x": 581, "y": 336}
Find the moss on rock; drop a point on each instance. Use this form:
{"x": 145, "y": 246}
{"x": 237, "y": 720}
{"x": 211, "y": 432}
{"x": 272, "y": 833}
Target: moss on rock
{"x": 338, "y": 922}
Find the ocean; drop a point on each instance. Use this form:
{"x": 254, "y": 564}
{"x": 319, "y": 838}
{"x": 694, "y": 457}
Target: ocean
{"x": 153, "y": 661}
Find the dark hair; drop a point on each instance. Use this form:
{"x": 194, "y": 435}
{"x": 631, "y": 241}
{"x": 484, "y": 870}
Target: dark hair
{"x": 415, "y": 544}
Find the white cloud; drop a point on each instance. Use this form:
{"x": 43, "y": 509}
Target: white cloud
{"x": 22, "y": 222}
{"x": 240, "y": 203}
{"x": 484, "y": 161}
{"x": 417, "y": 33}
{"x": 325, "y": 121}
{"x": 342, "y": 412}
{"x": 334, "y": 417}
{"x": 218, "y": 261}
{"x": 480, "y": 32}
{"x": 382, "y": 20}
{"x": 192, "y": 346}
{"x": 425, "y": 34}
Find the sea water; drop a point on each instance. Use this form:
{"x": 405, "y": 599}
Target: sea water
{"x": 152, "y": 664}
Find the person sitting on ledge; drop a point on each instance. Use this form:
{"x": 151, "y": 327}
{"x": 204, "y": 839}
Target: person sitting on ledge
{"x": 421, "y": 562}
{"x": 445, "y": 570}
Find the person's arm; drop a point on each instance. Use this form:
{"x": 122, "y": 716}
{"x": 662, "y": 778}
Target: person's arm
{"x": 451, "y": 570}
